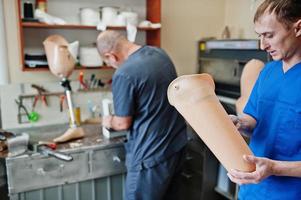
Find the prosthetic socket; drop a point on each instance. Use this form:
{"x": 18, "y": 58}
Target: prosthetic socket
{"x": 193, "y": 96}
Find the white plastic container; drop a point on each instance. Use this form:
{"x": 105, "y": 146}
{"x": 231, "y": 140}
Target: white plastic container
{"x": 89, "y": 57}
{"x": 89, "y": 17}
{"x": 109, "y": 15}
{"x": 131, "y": 17}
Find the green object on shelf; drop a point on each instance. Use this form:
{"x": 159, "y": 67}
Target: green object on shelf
{"x": 33, "y": 117}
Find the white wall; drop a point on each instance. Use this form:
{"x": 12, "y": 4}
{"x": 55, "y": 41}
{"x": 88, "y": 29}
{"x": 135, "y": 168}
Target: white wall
{"x": 184, "y": 23}
{"x": 4, "y": 75}
{"x": 239, "y": 17}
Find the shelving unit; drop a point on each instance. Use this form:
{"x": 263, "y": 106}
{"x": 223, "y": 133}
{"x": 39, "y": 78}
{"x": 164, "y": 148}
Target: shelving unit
{"x": 29, "y": 69}
{"x": 153, "y": 14}
{"x": 76, "y": 26}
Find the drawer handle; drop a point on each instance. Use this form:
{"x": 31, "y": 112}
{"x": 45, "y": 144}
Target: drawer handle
{"x": 41, "y": 171}
{"x": 189, "y": 157}
{"x": 186, "y": 175}
{"x": 116, "y": 159}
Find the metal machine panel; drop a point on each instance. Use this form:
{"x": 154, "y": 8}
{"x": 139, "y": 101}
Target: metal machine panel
{"x": 107, "y": 188}
{"x": 35, "y": 172}
{"x": 108, "y": 162}
{"x": 96, "y": 171}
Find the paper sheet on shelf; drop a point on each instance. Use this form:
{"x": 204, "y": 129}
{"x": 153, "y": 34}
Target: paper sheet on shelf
{"x": 48, "y": 19}
{"x": 131, "y": 32}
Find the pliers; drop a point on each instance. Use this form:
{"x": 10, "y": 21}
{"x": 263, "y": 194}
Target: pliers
{"x": 40, "y": 95}
{"x": 32, "y": 116}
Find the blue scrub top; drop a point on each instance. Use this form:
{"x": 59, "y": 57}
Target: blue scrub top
{"x": 275, "y": 103}
{"x": 140, "y": 90}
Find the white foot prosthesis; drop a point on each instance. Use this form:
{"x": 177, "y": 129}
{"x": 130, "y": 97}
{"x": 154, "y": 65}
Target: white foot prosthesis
{"x": 70, "y": 134}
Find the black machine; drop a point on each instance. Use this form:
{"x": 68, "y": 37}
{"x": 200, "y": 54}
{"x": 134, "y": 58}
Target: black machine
{"x": 225, "y": 60}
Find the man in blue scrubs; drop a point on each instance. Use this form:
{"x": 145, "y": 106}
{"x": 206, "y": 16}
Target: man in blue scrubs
{"x": 273, "y": 112}
{"x": 155, "y": 146}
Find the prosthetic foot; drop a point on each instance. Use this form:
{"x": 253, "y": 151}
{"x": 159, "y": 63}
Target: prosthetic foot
{"x": 70, "y": 134}
{"x": 193, "y": 96}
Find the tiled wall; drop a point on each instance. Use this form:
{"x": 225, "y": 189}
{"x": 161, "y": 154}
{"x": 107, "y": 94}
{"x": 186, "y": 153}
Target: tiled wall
{"x": 50, "y": 114}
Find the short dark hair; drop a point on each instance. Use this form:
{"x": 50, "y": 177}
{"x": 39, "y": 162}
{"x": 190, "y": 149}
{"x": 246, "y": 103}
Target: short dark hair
{"x": 286, "y": 11}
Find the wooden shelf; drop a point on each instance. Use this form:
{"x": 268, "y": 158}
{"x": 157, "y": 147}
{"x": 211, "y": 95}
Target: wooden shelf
{"x": 29, "y": 69}
{"x": 87, "y": 68}
{"x": 75, "y": 26}
{"x": 153, "y": 35}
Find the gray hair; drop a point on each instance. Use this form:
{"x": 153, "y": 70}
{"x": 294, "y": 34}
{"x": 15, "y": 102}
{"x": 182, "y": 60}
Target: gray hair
{"x": 109, "y": 41}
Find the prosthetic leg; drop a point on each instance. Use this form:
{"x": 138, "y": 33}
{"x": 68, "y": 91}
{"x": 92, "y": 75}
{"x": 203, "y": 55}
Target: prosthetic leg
{"x": 61, "y": 64}
{"x": 74, "y": 131}
{"x": 248, "y": 78}
{"x": 193, "y": 96}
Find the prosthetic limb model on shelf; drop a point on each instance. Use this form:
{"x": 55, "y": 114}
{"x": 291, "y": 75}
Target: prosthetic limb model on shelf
{"x": 61, "y": 63}
{"x": 193, "y": 96}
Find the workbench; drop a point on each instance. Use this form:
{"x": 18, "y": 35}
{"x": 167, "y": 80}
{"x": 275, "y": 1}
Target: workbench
{"x": 97, "y": 170}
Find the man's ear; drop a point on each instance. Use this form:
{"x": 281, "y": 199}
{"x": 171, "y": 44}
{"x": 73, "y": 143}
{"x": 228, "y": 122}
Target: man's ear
{"x": 106, "y": 56}
{"x": 298, "y": 28}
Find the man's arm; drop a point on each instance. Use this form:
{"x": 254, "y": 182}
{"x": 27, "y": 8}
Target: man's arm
{"x": 264, "y": 168}
{"x": 287, "y": 168}
{"x": 117, "y": 123}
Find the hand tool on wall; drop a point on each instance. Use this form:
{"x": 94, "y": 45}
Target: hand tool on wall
{"x": 81, "y": 81}
{"x": 95, "y": 83}
{"x": 100, "y": 83}
{"x": 109, "y": 81}
{"x": 40, "y": 95}
{"x": 32, "y": 116}
{"x": 92, "y": 78}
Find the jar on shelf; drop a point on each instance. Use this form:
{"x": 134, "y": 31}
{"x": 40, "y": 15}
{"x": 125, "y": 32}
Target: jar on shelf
{"x": 89, "y": 16}
{"x": 89, "y": 56}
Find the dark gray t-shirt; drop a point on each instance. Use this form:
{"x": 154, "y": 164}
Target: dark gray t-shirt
{"x": 140, "y": 90}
